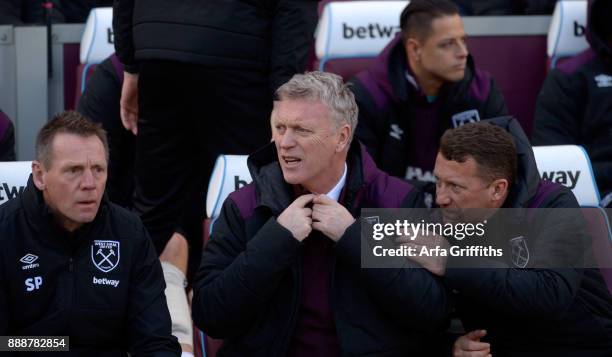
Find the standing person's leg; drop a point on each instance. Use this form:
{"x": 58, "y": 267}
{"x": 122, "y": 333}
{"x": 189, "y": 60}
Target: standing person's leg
{"x": 164, "y": 164}
{"x": 167, "y": 174}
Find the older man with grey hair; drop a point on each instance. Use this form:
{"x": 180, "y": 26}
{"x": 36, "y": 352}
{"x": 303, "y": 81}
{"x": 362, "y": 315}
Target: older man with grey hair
{"x": 282, "y": 273}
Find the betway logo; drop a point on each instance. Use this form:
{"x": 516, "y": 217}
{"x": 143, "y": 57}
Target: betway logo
{"x": 370, "y": 31}
{"x": 105, "y": 281}
{"x": 10, "y": 191}
{"x": 566, "y": 178}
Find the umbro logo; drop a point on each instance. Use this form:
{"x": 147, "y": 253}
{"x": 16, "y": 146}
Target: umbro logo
{"x": 396, "y": 132}
{"x": 603, "y": 81}
{"x": 29, "y": 260}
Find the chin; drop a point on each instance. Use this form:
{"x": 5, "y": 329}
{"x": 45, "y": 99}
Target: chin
{"x": 292, "y": 179}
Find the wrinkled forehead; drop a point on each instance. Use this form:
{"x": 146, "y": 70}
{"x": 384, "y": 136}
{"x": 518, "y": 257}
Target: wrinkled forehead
{"x": 300, "y": 112}
{"x": 73, "y": 148}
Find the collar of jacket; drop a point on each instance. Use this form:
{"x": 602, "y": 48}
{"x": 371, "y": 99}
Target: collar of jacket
{"x": 525, "y": 186}
{"x": 41, "y": 219}
{"x": 274, "y": 193}
{"x": 390, "y": 68}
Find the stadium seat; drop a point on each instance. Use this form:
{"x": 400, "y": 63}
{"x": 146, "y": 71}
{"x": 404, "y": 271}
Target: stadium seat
{"x": 13, "y": 178}
{"x": 569, "y": 165}
{"x": 350, "y": 34}
{"x": 229, "y": 174}
{"x": 97, "y": 44}
{"x": 567, "y": 31}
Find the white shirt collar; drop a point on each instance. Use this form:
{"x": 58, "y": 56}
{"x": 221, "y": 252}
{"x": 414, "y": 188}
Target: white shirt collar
{"x": 334, "y": 194}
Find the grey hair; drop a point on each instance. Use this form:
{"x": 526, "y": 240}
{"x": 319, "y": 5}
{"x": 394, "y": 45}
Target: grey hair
{"x": 329, "y": 89}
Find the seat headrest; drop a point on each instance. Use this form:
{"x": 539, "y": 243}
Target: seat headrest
{"x": 97, "y": 41}
{"x": 569, "y": 165}
{"x": 567, "y": 31}
{"x": 13, "y": 178}
{"x": 229, "y": 174}
{"x": 356, "y": 28}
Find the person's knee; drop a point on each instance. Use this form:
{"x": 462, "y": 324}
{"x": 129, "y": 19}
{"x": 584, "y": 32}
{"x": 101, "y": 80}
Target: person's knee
{"x": 176, "y": 252}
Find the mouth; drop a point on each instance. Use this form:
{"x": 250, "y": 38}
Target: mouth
{"x": 87, "y": 203}
{"x": 291, "y": 161}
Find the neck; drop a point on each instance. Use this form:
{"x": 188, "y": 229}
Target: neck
{"x": 430, "y": 85}
{"x": 329, "y": 182}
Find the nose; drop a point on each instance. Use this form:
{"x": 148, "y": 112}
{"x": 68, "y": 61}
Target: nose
{"x": 462, "y": 49}
{"x": 442, "y": 197}
{"x": 287, "y": 139}
{"x": 88, "y": 180}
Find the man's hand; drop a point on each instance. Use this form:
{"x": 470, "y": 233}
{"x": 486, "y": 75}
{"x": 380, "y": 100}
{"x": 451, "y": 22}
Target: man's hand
{"x": 129, "y": 102}
{"x": 435, "y": 262}
{"x": 297, "y": 218}
{"x": 470, "y": 346}
{"x": 330, "y": 217}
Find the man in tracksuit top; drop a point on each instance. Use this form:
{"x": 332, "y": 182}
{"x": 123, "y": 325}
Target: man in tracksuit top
{"x": 559, "y": 307}
{"x": 575, "y": 103}
{"x": 74, "y": 264}
{"x": 281, "y": 275}
{"x": 422, "y": 83}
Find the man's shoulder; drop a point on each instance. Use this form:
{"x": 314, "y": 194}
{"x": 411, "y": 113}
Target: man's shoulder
{"x": 9, "y": 215}
{"x": 479, "y": 84}
{"x": 245, "y": 199}
{"x": 124, "y": 223}
{"x": 386, "y": 191}
{"x": 553, "y": 195}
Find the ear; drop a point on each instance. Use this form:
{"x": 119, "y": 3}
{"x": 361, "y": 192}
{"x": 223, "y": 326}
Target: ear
{"x": 38, "y": 175}
{"x": 344, "y": 137}
{"x": 500, "y": 189}
{"x": 413, "y": 48}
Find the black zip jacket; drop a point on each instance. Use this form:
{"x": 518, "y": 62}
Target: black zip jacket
{"x": 268, "y": 35}
{"x": 248, "y": 287}
{"x": 57, "y": 283}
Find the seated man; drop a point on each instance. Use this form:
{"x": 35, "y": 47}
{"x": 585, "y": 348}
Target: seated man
{"x": 74, "y": 264}
{"x": 559, "y": 307}
{"x": 281, "y": 274}
{"x": 575, "y": 103}
{"x": 423, "y": 83}
{"x": 7, "y": 139}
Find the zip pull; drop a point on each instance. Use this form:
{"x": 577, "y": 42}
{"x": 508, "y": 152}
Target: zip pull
{"x": 70, "y": 265}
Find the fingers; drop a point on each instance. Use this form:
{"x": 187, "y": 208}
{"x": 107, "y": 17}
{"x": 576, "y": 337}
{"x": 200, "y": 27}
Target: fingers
{"x": 323, "y": 200}
{"x": 471, "y": 341}
{"x": 129, "y": 120}
{"x": 476, "y": 335}
{"x": 303, "y": 200}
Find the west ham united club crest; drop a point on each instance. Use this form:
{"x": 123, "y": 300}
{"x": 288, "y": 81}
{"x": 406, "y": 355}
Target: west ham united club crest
{"x": 469, "y": 116}
{"x": 105, "y": 254}
{"x": 520, "y": 252}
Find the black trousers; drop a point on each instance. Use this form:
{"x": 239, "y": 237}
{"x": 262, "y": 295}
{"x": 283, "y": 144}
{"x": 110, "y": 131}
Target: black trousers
{"x": 189, "y": 114}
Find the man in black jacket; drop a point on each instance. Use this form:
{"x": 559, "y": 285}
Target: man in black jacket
{"x": 281, "y": 275}
{"x": 423, "y": 82}
{"x": 540, "y": 297}
{"x": 575, "y": 103}
{"x": 72, "y": 263}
